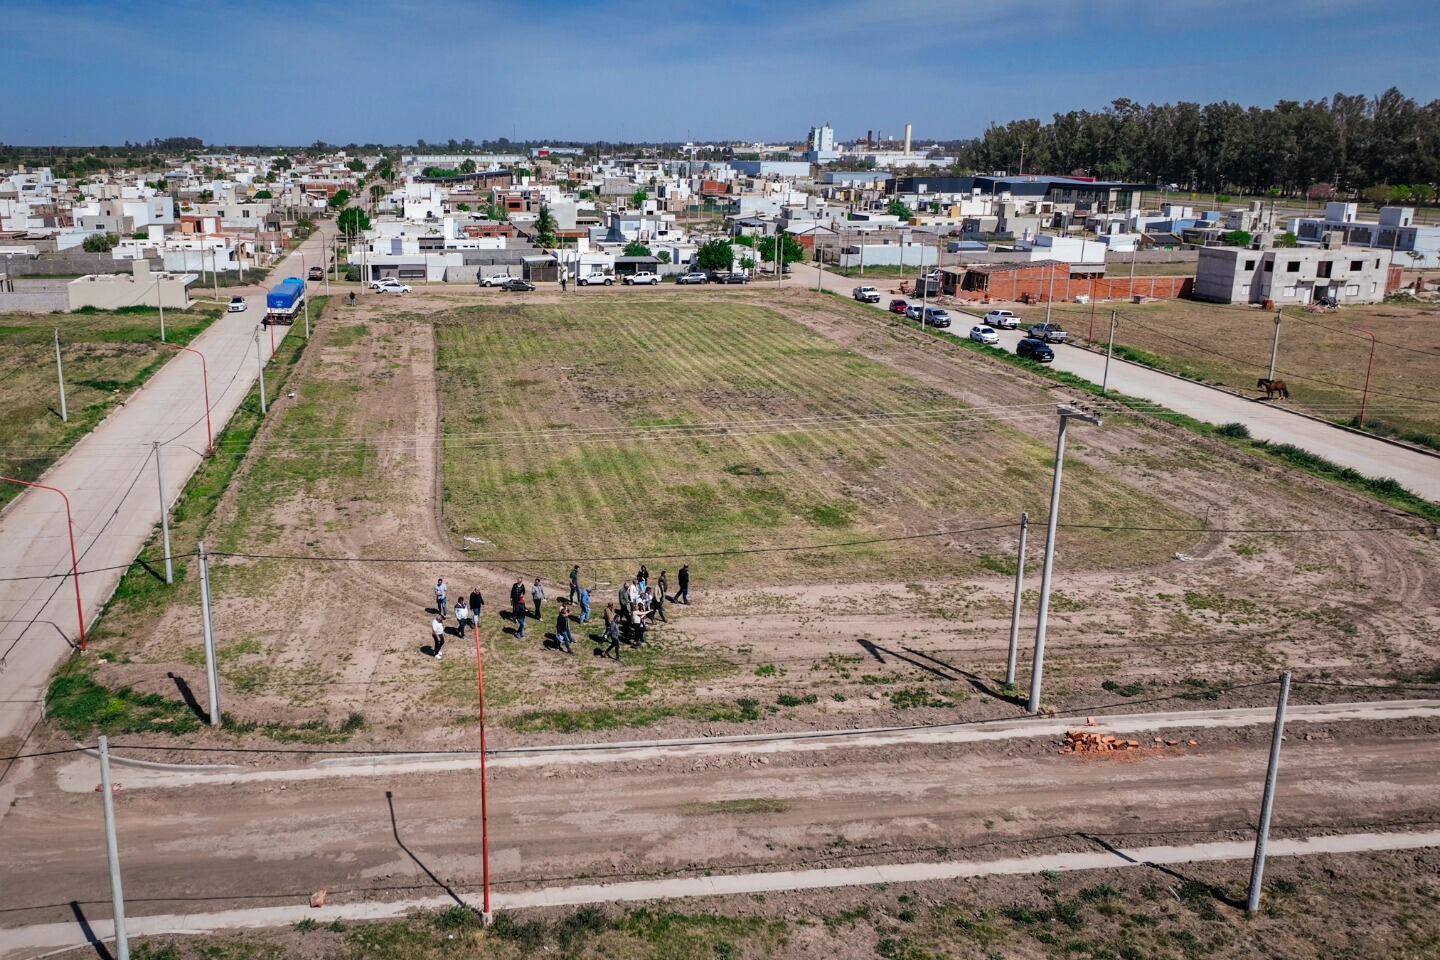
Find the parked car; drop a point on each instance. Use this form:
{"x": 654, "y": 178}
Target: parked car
{"x": 735, "y": 278}
{"x": 913, "y": 311}
{"x": 496, "y": 280}
{"x": 898, "y": 306}
{"x": 1049, "y": 332}
{"x": 593, "y": 279}
{"x": 866, "y": 294}
{"x": 237, "y": 305}
{"x": 516, "y": 285}
{"x": 390, "y": 285}
{"x": 694, "y": 276}
{"x": 641, "y": 278}
{"x": 1035, "y": 349}
{"x": 935, "y": 317}
{"x": 317, "y": 273}
{"x": 1003, "y": 319}
{"x": 983, "y": 334}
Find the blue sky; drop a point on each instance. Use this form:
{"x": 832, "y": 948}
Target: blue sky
{"x": 293, "y": 71}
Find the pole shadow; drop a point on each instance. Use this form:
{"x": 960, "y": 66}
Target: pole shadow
{"x": 395, "y": 830}
{"x": 976, "y": 681}
{"x": 1210, "y": 889}
{"x": 188, "y": 696}
{"x": 101, "y": 950}
{"x": 878, "y": 652}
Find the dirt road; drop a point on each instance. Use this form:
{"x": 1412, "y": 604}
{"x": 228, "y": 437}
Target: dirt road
{"x": 109, "y": 477}
{"x": 206, "y": 848}
{"x": 1417, "y": 471}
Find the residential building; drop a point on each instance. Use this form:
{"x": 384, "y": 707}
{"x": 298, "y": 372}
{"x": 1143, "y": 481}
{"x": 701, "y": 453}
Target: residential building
{"x": 1294, "y": 275}
{"x": 111, "y": 291}
{"x": 1415, "y": 247}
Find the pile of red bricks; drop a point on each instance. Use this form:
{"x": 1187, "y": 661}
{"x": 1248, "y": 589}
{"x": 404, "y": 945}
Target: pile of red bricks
{"x": 1083, "y": 741}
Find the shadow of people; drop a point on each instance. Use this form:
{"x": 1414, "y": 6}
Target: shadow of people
{"x": 395, "y": 830}
{"x": 88, "y": 932}
{"x": 188, "y": 696}
{"x": 427, "y": 649}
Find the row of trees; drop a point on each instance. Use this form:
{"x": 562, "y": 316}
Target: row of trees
{"x": 1347, "y": 142}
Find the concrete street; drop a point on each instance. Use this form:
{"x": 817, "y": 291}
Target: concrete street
{"x": 109, "y": 477}
{"x": 1417, "y": 471}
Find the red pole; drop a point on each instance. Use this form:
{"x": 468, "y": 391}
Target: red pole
{"x": 484, "y": 775}
{"x": 1365, "y": 397}
{"x": 74, "y": 558}
{"x": 205, "y": 381}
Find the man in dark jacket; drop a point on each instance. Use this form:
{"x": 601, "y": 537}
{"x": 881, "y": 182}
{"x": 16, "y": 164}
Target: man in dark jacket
{"x": 683, "y": 594}
{"x": 477, "y": 602}
{"x": 517, "y": 605}
{"x": 562, "y": 629}
{"x": 575, "y": 583}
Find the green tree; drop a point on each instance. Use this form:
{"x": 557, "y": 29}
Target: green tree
{"x": 545, "y": 228}
{"x": 586, "y": 195}
{"x": 100, "y": 242}
{"x": 264, "y": 195}
{"x": 338, "y": 201}
{"x": 376, "y": 192}
{"x": 1287, "y": 239}
{"x": 463, "y": 207}
{"x": 715, "y": 255}
{"x": 281, "y": 163}
{"x": 467, "y": 165}
{"x": 747, "y": 263}
{"x": 790, "y": 249}
{"x": 636, "y": 249}
{"x": 352, "y": 220}
{"x": 638, "y": 198}
{"x": 899, "y": 209}
{"x": 1236, "y": 238}
{"x": 663, "y": 256}
{"x": 206, "y": 196}
{"x": 356, "y": 165}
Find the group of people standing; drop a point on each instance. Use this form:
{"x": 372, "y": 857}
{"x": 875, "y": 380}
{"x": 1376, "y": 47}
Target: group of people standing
{"x": 638, "y": 604}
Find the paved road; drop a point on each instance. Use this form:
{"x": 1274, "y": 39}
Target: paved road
{"x": 109, "y": 477}
{"x": 1417, "y": 471}
{"x": 202, "y": 848}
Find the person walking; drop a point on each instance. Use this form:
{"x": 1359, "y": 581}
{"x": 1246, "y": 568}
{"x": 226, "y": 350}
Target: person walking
{"x": 575, "y": 583}
{"x": 477, "y": 605}
{"x": 441, "y": 592}
{"x": 462, "y": 617}
{"x": 683, "y": 594}
{"x": 642, "y": 579}
{"x": 584, "y": 605}
{"x": 517, "y": 606}
{"x": 664, "y": 584}
{"x": 657, "y": 606}
{"x": 437, "y": 630}
{"x": 612, "y": 632}
{"x": 537, "y": 593}
{"x": 562, "y": 629}
{"x": 623, "y": 598}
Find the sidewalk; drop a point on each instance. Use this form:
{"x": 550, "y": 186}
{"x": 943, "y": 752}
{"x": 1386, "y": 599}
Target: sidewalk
{"x": 109, "y": 477}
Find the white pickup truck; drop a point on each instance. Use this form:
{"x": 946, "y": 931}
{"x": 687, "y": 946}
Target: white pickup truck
{"x": 641, "y": 277}
{"x": 866, "y": 294}
{"x": 495, "y": 280}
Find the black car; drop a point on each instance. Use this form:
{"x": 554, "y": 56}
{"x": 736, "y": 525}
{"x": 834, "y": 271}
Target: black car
{"x": 316, "y": 273}
{"x": 1035, "y": 349}
{"x": 516, "y": 285}
{"x": 734, "y": 278}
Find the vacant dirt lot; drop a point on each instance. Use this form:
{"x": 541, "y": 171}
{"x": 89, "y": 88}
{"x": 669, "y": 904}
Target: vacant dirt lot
{"x": 752, "y": 434}
{"x": 1322, "y": 356}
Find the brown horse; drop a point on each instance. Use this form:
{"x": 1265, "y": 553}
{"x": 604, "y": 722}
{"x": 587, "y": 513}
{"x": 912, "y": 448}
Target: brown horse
{"x": 1273, "y": 388}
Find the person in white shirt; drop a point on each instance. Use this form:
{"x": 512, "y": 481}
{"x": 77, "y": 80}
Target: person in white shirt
{"x": 438, "y": 629}
{"x": 462, "y": 617}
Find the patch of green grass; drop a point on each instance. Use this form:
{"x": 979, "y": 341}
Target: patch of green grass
{"x": 795, "y": 700}
{"x": 915, "y": 697}
{"x": 1004, "y": 566}
{"x": 767, "y": 670}
{"x": 591, "y": 719}
{"x": 1133, "y": 689}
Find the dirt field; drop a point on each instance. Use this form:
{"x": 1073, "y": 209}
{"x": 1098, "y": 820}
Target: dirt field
{"x": 107, "y": 356}
{"x": 624, "y": 422}
{"x": 1322, "y": 356}
{"x": 1352, "y": 907}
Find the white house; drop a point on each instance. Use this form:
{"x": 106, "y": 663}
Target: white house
{"x": 1415, "y": 247}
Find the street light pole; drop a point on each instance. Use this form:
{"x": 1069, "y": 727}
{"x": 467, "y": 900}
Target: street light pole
{"x": 1275, "y": 344}
{"x": 112, "y": 853}
{"x": 60, "y": 375}
{"x": 1267, "y": 802}
{"x": 1109, "y": 350}
{"x": 164, "y": 514}
{"x": 1365, "y": 397}
{"x": 260, "y": 364}
{"x": 74, "y": 557}
{"x": 1015, "y": 604}
{"x": 1050, "y": 297}
{"x": 1037, "y": 666}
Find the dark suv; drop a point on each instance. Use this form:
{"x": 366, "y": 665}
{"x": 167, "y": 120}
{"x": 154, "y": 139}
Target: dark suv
{"x": 1035, "y": 349}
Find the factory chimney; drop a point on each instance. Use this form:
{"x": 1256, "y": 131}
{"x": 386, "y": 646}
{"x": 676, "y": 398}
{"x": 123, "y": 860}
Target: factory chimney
{"x": 907, "y": 138}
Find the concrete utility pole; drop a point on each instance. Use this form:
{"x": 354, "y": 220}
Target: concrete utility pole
{"x": 1015, "y": 604}
{"x": 1275, "y": 344}
{"x": 1050, "y": 297}
{"x": 60, "y": 375}
{"x": 212, "y": 672}
{"x": 164, "y": 514}
{"x": 112, "y": 853}
{"x": 260, "y": 363}
{"x": 307, "y": 315}
{"x": 1109, "y": 350}
{"x": 1262, "y": 833}
{"x": 1037, "y": 666}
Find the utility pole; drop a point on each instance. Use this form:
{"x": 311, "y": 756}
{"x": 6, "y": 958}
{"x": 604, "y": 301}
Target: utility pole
{"x": 212, "y": 672}
{"x": 307, "y": 315}
{"x": 60, "y": 375}
{"x": 1109, "y": 350}
{"x": 1015, "y": 604}
{"x": 1275, "y": 344}
{"x": 215, "y": 272}
{"x": 164, "y": 514}
{"x": 261, "y": 365}
{"x": 112, "y": 853}
{"x": 1267, "y": 802}
{"x": 1037, "y": 666}
{"x": 1050, "y": 297}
